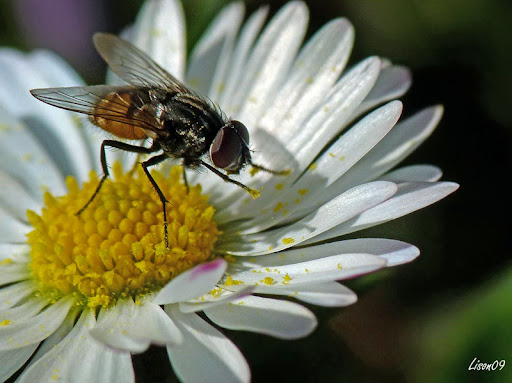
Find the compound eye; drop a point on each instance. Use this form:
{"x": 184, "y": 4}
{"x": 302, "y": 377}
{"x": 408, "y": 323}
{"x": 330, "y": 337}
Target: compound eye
{"x": 226, "y": 149}
{"x": 241, "y": 130}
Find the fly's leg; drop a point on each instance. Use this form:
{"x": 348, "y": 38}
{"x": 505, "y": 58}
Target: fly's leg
{"x": 254, "y": 193}
{"x": 151, "y": 162}
{"x": 183, "y": 168}
{"x": 276, "y": 172}
{"x": 103, "y": 157}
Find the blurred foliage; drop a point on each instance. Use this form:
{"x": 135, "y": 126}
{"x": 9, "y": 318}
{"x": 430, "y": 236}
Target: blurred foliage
{"x": 476, "y": 325}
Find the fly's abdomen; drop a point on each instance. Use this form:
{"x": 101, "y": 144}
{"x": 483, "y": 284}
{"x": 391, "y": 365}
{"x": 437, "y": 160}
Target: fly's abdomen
{"x": 113, "y": 112}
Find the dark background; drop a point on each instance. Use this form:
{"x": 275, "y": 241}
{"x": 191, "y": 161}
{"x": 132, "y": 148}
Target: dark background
{"x": 422, "y": 322}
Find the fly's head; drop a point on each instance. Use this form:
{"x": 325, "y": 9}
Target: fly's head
{"x": 230, "y": 148}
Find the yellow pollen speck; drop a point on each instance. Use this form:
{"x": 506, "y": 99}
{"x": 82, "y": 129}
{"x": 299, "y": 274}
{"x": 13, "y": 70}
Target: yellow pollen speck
{"x": 156, "y": 32}
{"x": 286, "y": 279}
{"x": 216, "y": 292}
{"x": 279, "y": 206}
{"x": 115, "y": 248}
{"x": 288, "y": 241}
{"x": 303, "y": 192}
{"x": 279, "y": 187}
{"x": 267, "y": 281}
{"x": 342, "y": 158}
{"x": 312, "y": 167}
{"x": 232, "y": 282}
{"x": 253, "y": 171}
{"x": 230, "y": 258}
{"x": 5, "y": 322}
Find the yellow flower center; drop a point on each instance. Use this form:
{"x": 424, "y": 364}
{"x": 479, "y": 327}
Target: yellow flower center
{"x": 115, "y": 248}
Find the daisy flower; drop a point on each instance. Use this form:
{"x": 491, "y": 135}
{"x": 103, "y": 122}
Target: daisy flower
{"x": 80, "y": 293}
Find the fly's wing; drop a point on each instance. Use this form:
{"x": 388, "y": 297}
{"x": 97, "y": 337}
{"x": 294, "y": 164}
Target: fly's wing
{"x": 134, "y": 66}
{"x": 98, "y": 101}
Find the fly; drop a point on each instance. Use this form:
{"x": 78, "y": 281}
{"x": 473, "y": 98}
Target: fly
{"x": 181, "y": 123}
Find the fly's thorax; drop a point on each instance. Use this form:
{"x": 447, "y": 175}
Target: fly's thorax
{"x": 190, "y": 125}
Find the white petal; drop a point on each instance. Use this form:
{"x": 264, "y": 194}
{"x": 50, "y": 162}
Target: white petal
{"x": 13, "y": 271}
{"x": 341, "y": 156}
{"x": 414, "y": 173}
{"x": 403, "y": 139}
{"x": 298, "y": 153}
{"x": 26, "y": 160}
{"x": 12, "y": 294}
{"x": 111, "y": 323}
{"x": 14, "y": 197}
{"x": 328, "y": 294}
{"x": 211, "y": 57}
{"x": 312, "y": 76}
{"x": 12, "y": 360}
{"x": 55, "y": 129}
{"x": 133, "y": 327}
{"x": 354, "y": 144}
{"x": 17, "y": 252}
{"x": 335, "y": 112}
{"x": 393, "y": 82}
{"x": 75, "y": 140}
{"x": 209, "y": 300}
{"x": 395, "y": 252}
{"x": 205, "y": 354}
{"x": 274, "y": 317}
{"x": 410, "y": 197}
{"x": 27, "y": 310}
{"x": 338, "y": 210}
{"x": 95, "y": 362}
{"x": 160, "y": 31}
{"x": 192, "y": 283}
{"x": 12, "y": 230}
{"x": 332, "y": 268}
{"x": 58, "y": 335}
{"x": 35, "y": 329}
{"x": 331, "y": 165}
{"x": 244, "y": 44}
{"x": 54, "y": 69}
{"x": 270, "y": 60}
